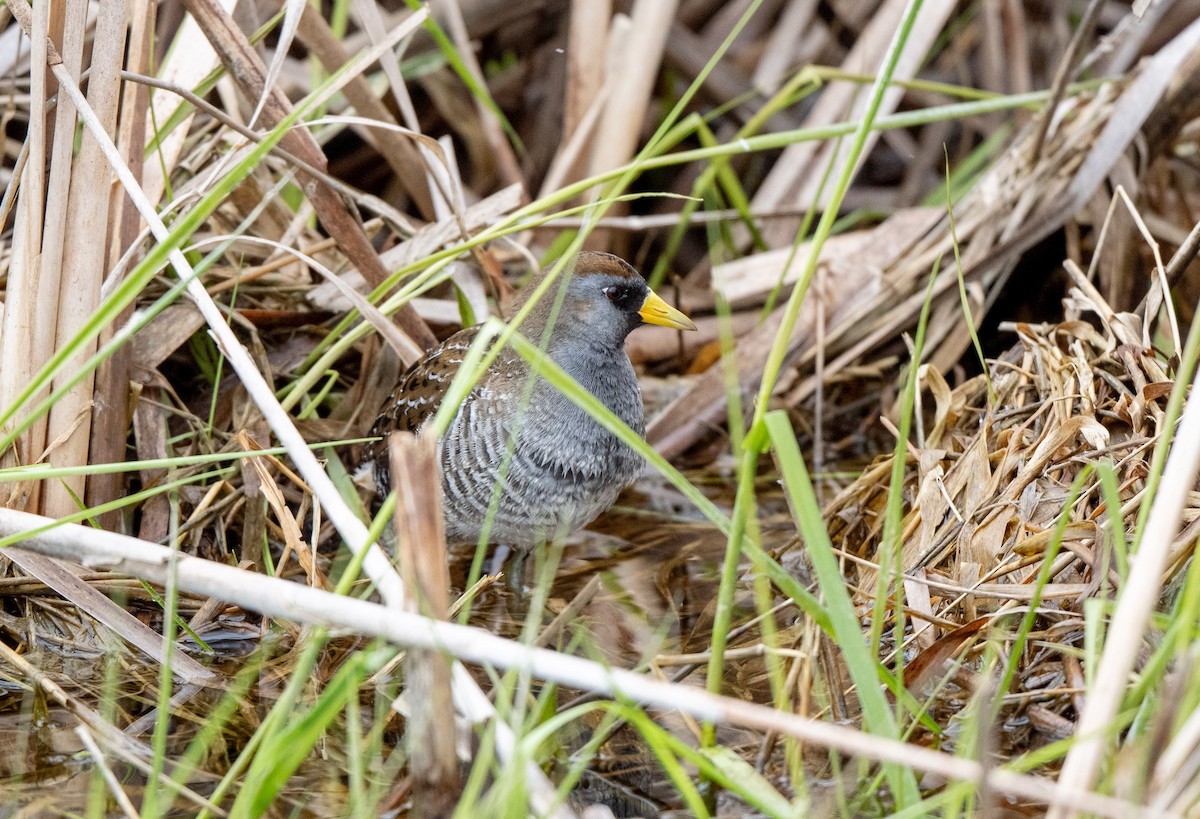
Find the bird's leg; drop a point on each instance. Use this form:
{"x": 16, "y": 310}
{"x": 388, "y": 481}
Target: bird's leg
{"x": 499, "y": 557}
{"x": 511, "y": 561}
{"x": 516, "y": 572}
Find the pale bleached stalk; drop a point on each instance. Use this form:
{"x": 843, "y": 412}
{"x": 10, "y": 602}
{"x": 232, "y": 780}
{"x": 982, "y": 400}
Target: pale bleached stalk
{"x": 1175, "y": 769}
{"x": 586, "y": 46}
{"x": 1129, "y": 621}
{"x": 82, "y": 268}
{"x": 97, "y": 549}
{"x": 371, "y": 21}
{"x": 293, "y": 10}
{"x": 190, "y": 59}
{"x": 114, "y": 785}
{"x": 27, "y": 333}
{"x": 352, "y": 530}
{"x": 629, "y": 96}
{"x": 563, "y": 166}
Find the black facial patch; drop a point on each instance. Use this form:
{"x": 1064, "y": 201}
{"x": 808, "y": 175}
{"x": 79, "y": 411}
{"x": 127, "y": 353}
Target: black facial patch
{"x": 628, "y": 297}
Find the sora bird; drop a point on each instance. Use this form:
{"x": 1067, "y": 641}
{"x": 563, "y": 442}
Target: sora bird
{"x": 555, "y": 466}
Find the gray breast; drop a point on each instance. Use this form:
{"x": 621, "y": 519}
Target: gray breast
{"x": 545, "y": 469}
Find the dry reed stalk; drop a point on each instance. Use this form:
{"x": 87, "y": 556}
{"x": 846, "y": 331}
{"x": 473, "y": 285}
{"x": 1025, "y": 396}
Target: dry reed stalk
{"x": 587, "y": 44}
{"x": 27, "y": 341}
{"x": 111, "y": 393}
{"x": 83, "y": 262}
{"x": 110, "y": 779}
{"x": 586, "y": 89}
{"x": 184, "y": 66}
{"x": 724, "y": 83}
{"x": 150, "y": 438}
{"x": 565, "y": 167}
{"x": 784, "y": 44}
{"x": 293, "y": 541}
{"x": 370, "y": 17}
{"x": 507, "y": 167}
{"x": 430, "y": 733}
{"x": 631, "y": 83}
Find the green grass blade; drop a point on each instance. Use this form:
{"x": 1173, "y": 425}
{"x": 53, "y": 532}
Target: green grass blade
{"x": 279, "y": 757}
{"x": 862, "y": 665}
{"x": 962, "y": 287}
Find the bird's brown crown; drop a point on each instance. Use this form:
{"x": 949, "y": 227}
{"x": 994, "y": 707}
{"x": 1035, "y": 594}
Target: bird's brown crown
{"x": 595, "y": 263}
{"x": 587, "y": 263}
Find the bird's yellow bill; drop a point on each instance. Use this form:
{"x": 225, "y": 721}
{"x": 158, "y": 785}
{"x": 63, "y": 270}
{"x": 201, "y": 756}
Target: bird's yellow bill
{"x": 656, "y": 311}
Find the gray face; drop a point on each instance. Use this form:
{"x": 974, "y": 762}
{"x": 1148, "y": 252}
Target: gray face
{"x": 604, "y": 306}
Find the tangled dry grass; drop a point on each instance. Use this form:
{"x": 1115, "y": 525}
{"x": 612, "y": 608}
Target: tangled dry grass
{"x": 1007, "y": 575}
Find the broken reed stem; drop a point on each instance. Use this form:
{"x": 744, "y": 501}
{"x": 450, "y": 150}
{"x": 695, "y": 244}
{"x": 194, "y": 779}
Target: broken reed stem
{"x": 421, "y": 551}
{"x": 587, "y": 43}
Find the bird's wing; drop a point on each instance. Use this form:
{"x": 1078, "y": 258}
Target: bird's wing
{"x": 421, "y": 389}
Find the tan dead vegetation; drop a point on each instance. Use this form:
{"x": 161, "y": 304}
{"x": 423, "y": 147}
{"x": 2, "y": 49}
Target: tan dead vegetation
{"x": 411, "y": 163}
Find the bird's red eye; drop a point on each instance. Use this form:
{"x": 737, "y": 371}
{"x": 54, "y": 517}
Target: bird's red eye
{"x": 615, "y": 293}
